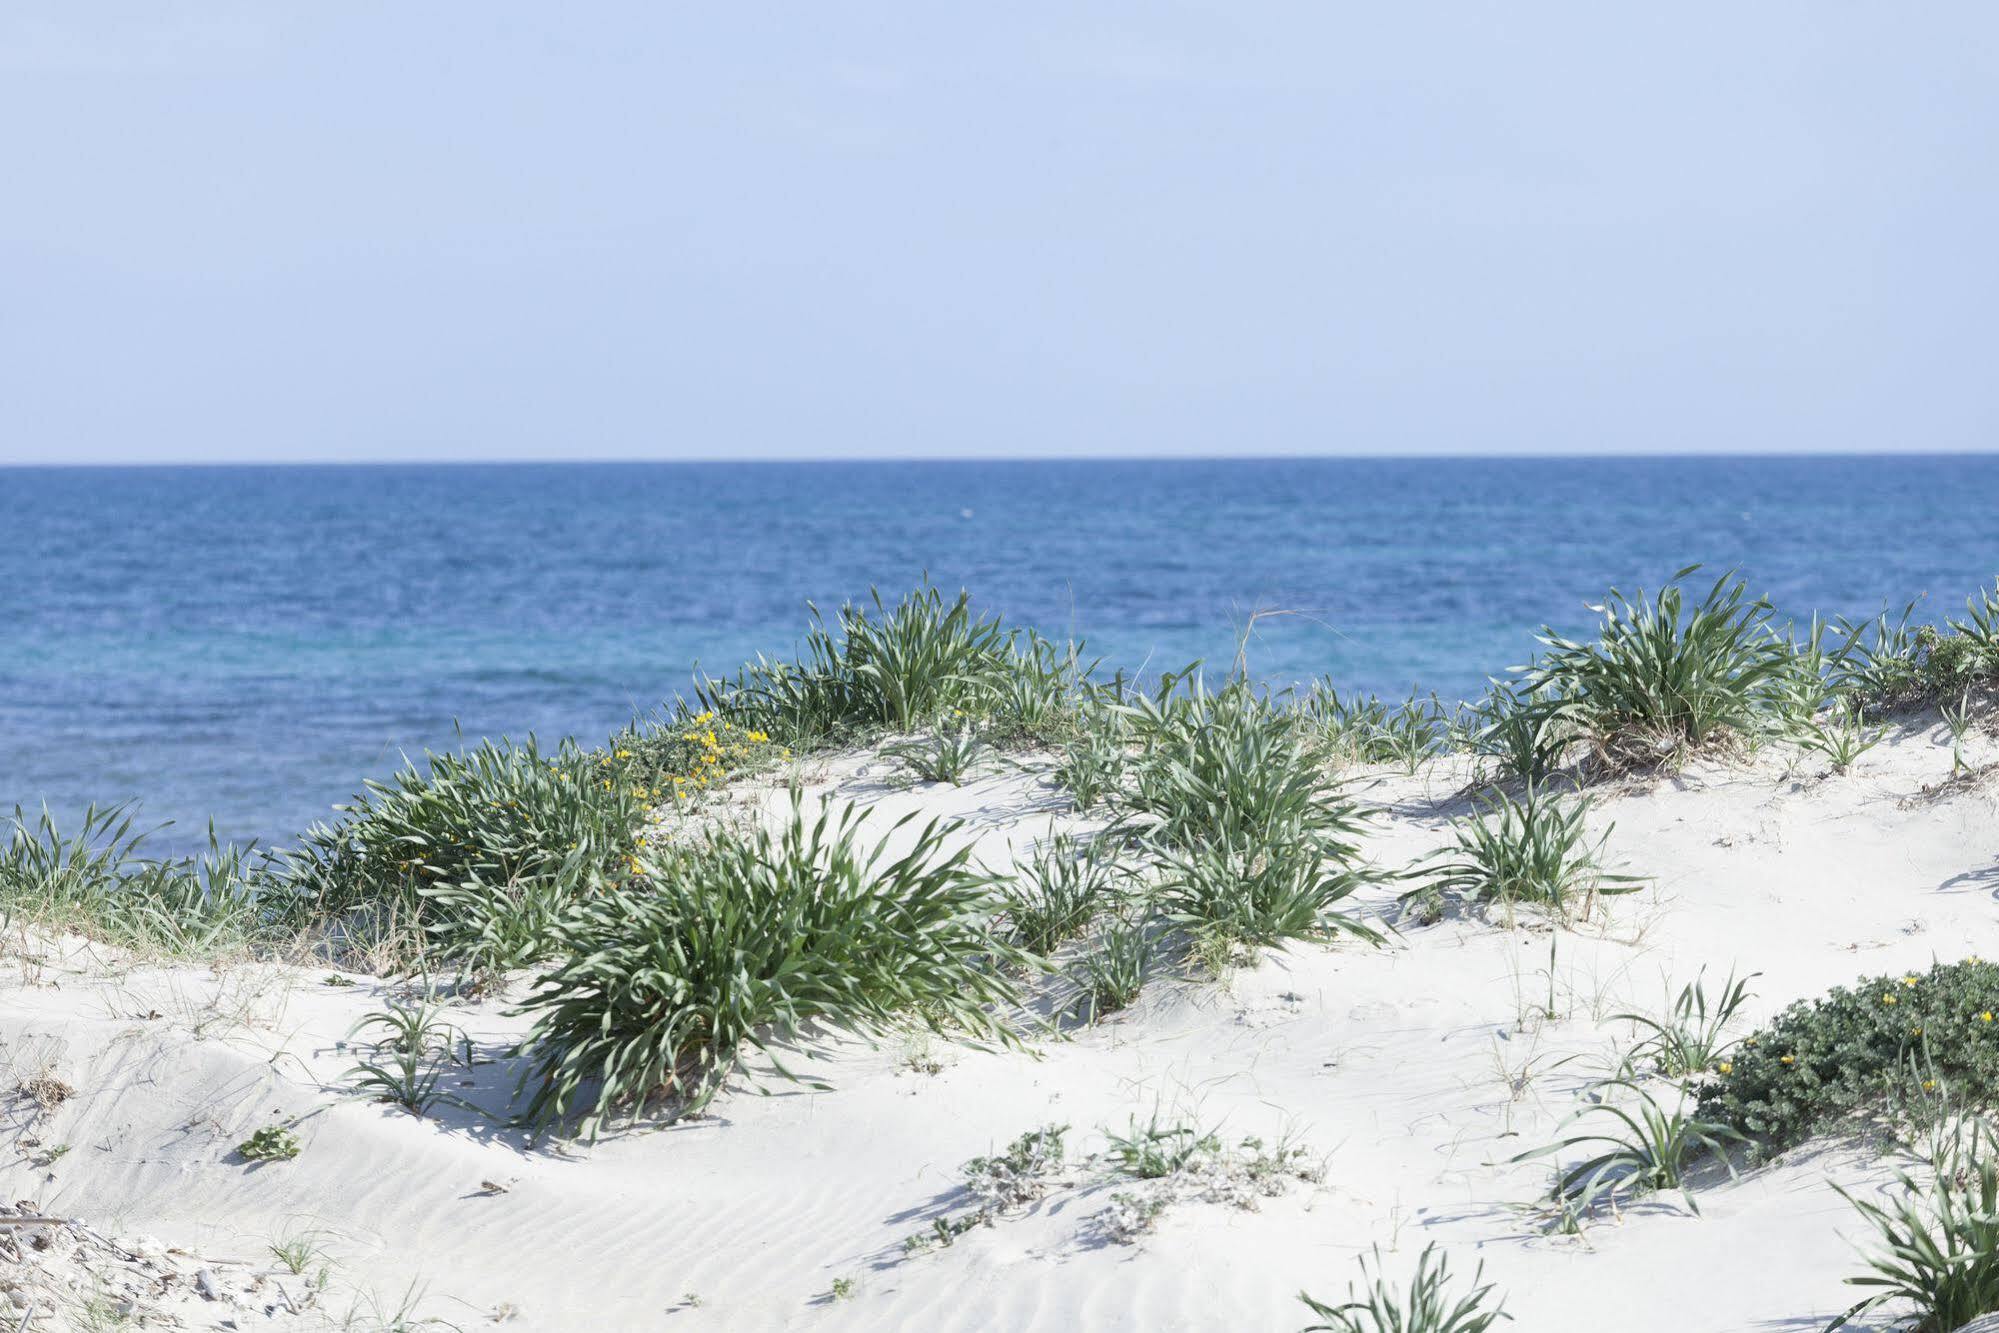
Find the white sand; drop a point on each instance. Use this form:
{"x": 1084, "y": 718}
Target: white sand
{"x": 1415, "y": 1070}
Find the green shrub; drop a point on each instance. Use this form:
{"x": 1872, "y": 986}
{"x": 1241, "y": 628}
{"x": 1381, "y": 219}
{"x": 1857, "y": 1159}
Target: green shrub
{"x": 1535, "y": 849}
{"x": 1664, "y": 677}
{"x": 743, "y": 940}
{"x": 1429, "y": 1305}
{"x": 1884, "y": 1050}
{"x": 1891, "y": 664}
{"x": 272, "y": 1143}
{"x": 478, "y": 853}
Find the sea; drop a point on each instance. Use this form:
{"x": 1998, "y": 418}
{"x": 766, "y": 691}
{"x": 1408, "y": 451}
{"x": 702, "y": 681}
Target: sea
{"x": 246, "y": 645}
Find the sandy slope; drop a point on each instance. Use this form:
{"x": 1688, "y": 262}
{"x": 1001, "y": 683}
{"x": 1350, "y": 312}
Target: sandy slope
{"x": 1414, "y": 1071}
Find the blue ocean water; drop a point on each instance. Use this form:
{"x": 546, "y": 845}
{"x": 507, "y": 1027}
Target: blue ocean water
{"x": 248, "y": 643}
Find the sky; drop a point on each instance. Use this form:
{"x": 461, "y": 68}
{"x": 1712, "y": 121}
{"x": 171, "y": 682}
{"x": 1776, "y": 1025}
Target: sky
{"x": 361, "y": 231}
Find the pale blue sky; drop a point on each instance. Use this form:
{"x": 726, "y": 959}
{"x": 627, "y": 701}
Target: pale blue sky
{"x": 475, "y": 230}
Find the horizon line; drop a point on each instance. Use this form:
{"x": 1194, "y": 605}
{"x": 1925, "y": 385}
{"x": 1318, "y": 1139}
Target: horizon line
{"x": 931, "y": 459}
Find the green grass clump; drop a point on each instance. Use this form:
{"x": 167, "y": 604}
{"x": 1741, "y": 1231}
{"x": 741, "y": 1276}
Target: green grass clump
{"x": 1091, "y": 767}
{"x": 1430, "y": 1304}
{"x": 475, "y": 855}
{"x": 1112, "y": 975}
{"x": 1642, "y": 1146}
{"x": 1892, "y": 664}
{"x": 1525, "y": 733}
{"x": 743, "y": 940}
{"x": 1258, "y": 892}
{"x": 1938, "y": 1243}
{"x": 901, "y": 668}
{"x": 1231, "y": 766}
{"x": 1533, "y": 849}
{"x": 1365, "y": 730}
{"x": 1158, "y": 1148}
{"x": 1690, "y": 1040}
{"x": 1060, "y": 891}
{"x": 418, "y": 1047}
{"x": 1887, "y": 1049}
{"x": 1229, "y": 795}
{"x": 98, "y": 882}
{"x": 948, "y": 754}
{"x": 1665, "y": 676}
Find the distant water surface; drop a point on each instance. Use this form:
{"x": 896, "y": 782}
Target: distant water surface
{"x": 249, "y": 643}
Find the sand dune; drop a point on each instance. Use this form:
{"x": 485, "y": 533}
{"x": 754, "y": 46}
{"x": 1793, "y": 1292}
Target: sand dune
{"x": 1411, "y": 1073}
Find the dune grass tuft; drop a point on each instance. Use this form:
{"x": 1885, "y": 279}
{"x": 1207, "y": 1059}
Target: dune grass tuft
{"x": 1666, "y": 675}
{"x": 743, "y": 940}
{"x": 1430, "y": 1303}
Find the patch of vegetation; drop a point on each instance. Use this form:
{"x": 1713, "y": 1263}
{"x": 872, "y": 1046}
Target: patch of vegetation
{"x": 1158, "y": 1148}
{"x": 1525, "y": 733}
{"x": 99, "y": 882}
{"x": 1884, "y": 1050}
{"x": 895, "y": 669}
{"x": 1841, "y": 734}
{"x": 1113, "y": 974}
{"x": 1174, "y": 1160}
{"x": 1060, "y": 891}
{"x": 1431, "y": 1303}
{"x": 1666, "y": 676}
{"x": 1689, "y": 1041}
{"x": 1231, "y": 767}
{"x": 475, "y": 854}
{"x": 1254, "y": 844}
{"x": 1897, "y": 666}
{"x": 1092, "y": 765}
{"x": 947, "y": 755}
{"x": 1245, "y": 892}
{"x": 1365, "y": 730}
{"x": 419, "y": 1045}
{"x": 1937, "y": 1245}
{"x": 745, "y": 938}
{"x": 683, "y": 755}
{"x": 1009, "y": 1181}
{"x": 1532, "y": 849}
{"x": 1643, "y": 1147}
{"x": 272, "y": 1143}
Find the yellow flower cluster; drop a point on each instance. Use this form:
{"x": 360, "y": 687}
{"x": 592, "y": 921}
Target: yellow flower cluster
{"x": 719, "y": 747}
